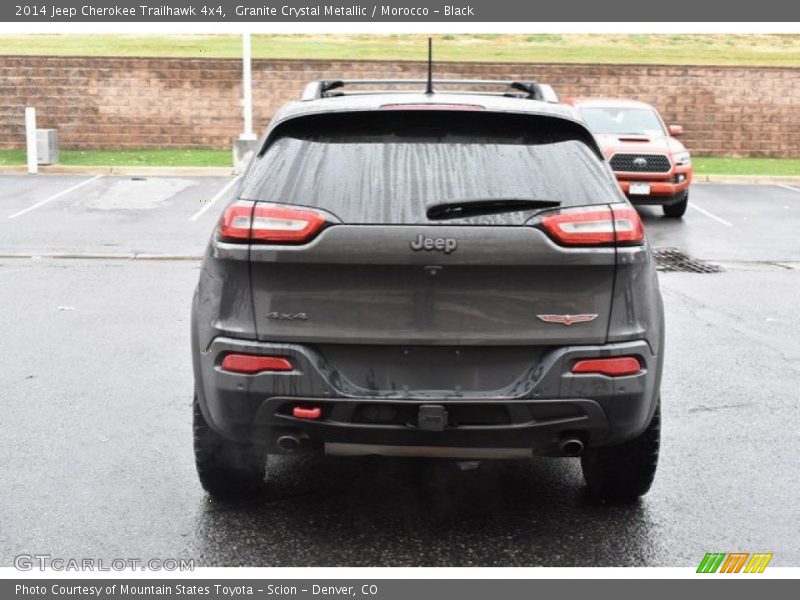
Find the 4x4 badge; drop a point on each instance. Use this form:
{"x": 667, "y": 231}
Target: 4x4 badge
{"x": 567, "y": 319}
{"x": 279, "y": 316}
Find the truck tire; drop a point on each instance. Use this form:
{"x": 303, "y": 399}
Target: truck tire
{"x": 624, "y": 472}
{"x": 677, "y": 210}
{"x": 226, "y": 469}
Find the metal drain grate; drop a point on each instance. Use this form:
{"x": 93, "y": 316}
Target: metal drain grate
{"x": 673, "y": 260}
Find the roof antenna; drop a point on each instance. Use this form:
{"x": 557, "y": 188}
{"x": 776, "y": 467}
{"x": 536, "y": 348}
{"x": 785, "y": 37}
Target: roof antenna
{"x": 429, "y": 87}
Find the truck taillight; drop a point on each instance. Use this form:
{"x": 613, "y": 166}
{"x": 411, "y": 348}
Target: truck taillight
{"x": 594, "y": 226}
{"x": 269, "y": 223}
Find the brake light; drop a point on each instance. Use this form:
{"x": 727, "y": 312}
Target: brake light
{"x": 284, "y": 224}
{"x": 251, "y": 363}
{"x": 272, "y": 223}
{"x": 613, "y": 367}
{"x": 593, "y": 226}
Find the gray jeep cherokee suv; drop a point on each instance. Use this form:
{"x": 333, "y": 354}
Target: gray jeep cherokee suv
{"x": 447, "y": 274}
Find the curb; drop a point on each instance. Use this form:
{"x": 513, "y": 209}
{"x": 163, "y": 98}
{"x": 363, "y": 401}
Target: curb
{"x": 748, "y": 179}
{"x": 228, "y": 171}
{"x": 123, "y": 171}
{"x": 100, "y": 256}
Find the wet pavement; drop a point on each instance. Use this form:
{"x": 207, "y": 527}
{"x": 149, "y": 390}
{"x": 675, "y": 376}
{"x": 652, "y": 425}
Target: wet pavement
{"x": 96, "y": 385}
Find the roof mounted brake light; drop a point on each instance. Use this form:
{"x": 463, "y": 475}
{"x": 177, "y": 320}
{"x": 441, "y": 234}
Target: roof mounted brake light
{"x": 250, "y": 364}
{"x": 433, "y": 106}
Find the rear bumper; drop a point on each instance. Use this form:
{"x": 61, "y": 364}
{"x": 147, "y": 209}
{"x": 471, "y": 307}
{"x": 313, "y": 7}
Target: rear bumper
{"x": 535, "y": 425}
{"x": 544, "y": 406}
{"x": 664, "y": 189}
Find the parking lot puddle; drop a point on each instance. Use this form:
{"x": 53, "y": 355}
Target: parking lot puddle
{"x": 138, "y": 194}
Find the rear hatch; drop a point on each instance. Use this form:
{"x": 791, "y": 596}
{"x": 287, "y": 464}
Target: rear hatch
{"x": 381, "y": 271}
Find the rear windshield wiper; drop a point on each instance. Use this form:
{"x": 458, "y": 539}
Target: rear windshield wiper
{"x": 460, "y": 209}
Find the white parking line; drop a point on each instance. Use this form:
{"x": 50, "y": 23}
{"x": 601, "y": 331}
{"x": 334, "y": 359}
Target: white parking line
{"x": 53, "y": 197}
{"x": 788, "y": 187}
{"x": 216, "y": 197}
{"x": 710, "y": 215}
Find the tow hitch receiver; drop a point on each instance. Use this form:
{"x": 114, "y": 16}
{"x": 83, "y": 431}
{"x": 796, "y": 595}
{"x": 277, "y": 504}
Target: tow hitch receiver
{"x": 432, "y": 417}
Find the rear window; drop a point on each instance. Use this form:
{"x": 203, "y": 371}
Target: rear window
{"x": 389, "y": 167}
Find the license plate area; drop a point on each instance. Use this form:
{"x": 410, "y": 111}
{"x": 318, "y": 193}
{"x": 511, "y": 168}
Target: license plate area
{"x": 639, "y": 189}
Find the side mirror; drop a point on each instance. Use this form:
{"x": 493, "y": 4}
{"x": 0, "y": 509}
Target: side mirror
{"x": 675, "y": 130}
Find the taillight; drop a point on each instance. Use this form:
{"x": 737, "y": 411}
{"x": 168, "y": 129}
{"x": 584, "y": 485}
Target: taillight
{"x": 613, "y": 367}
{"x": 594, "y": 226}
{"x": 628, "y": 226}
{"x": 236, "y": 220}
{"x": 250, "y": 364}
{"x": 271, "y": 223}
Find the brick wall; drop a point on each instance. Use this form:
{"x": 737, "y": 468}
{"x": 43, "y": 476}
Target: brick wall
{"x": 149, "y": 102}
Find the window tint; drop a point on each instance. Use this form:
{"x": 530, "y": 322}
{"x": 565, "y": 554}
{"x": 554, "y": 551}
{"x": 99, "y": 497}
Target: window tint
{"x": 621, "y": 121}
{"x": 382, "y": 167}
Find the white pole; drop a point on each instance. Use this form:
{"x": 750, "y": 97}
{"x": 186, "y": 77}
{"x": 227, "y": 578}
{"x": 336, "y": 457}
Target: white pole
{"x": 30, "y": 140}
{"x": 247, "y": 89}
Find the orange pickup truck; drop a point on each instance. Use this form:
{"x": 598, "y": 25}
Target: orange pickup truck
{"x": 651, "y": 166}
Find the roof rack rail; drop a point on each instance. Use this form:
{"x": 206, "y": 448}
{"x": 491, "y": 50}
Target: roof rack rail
{"x": 531, "y": 90}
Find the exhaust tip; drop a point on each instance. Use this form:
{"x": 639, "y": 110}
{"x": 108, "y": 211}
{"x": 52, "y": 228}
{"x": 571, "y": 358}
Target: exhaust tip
{"x": 289, "y": 443}
{"x": 571, "y": 447}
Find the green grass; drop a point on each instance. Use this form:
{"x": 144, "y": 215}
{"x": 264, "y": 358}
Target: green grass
{"x": 191, "y": 157}
{"x": 718, "y": 49}
{"x": 12, "y": 157}
{"x": 712, "y": 165}
{"x": 182, "y": 157}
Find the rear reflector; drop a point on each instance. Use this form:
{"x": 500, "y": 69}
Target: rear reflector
{"x": 298, "y": 412}
{"x": 249, "y": 363}
{"x": 283, "y": 224}
{"x": 593, "y": 226}
{"x": 270, "y": 223}
{"x": 613, "y": 367}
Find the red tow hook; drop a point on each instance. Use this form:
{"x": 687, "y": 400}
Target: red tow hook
{"x": 298, "y": 412}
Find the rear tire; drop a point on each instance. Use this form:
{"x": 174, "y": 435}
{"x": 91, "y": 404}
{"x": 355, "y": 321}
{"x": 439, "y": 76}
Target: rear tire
{"x": 677, "y": 210}
{"x": 623, "y": 473}
{"x": 226, "y": 469}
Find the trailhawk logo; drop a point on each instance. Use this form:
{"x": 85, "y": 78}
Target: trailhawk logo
{"x": 446, "y": 245}
{"x": 567, "y": 319}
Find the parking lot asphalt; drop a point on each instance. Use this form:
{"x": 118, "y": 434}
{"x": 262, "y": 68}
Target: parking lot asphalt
{"x": 96, "y": 387}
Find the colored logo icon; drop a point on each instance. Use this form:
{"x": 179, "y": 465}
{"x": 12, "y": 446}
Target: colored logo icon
{"x": 734, "y": 562}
